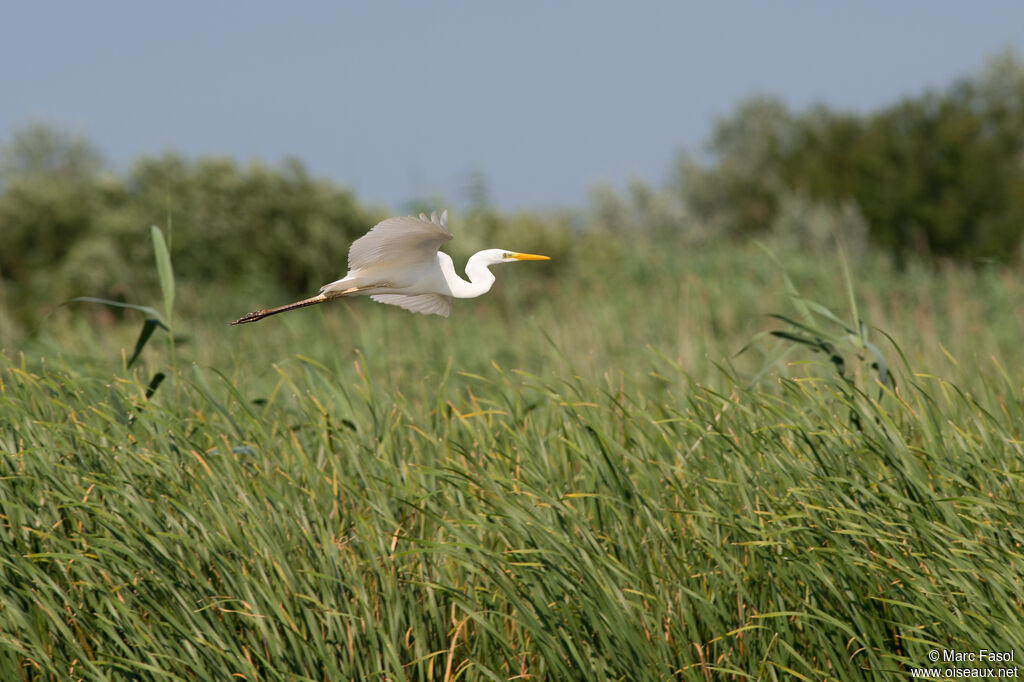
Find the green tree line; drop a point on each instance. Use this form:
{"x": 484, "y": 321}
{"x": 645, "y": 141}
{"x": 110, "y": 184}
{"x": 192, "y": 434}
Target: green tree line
{"x": 70, "y": 227}
{"x": 939, "y": 174}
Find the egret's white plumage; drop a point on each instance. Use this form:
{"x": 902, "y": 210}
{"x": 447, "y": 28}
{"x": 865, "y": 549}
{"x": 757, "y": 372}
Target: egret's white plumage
{"x": 398, "y": 262}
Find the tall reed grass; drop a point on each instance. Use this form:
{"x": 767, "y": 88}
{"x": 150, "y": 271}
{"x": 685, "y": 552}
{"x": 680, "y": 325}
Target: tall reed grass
{"x": 583, "y": 481}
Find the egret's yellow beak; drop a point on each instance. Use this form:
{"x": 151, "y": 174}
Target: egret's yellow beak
{"x": 528, "y": 256}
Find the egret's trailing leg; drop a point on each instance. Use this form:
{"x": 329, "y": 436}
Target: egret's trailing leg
{"x": 260, "y": 314}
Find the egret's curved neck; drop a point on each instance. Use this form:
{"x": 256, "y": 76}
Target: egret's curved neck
{"x": 480, "y": 278}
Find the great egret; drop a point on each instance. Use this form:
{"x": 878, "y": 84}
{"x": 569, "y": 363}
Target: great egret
{"x": 398, "y": 262}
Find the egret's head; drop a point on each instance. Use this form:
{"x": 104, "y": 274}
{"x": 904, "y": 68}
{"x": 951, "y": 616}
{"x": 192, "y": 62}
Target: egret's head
{"x": 502, "y": 256}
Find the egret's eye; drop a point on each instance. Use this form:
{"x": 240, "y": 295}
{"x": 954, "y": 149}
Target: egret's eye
{"x": 507, "y": 255}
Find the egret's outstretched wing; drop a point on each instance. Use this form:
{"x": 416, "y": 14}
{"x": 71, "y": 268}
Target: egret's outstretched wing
{"x": 428, "y": 304}
{"x": 400, "y": 242}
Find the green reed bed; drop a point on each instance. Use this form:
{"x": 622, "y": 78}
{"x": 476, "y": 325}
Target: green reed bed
{"x": 512, "y": 525}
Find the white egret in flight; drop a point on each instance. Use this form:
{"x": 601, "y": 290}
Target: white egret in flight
{"x": 399, "y": 262}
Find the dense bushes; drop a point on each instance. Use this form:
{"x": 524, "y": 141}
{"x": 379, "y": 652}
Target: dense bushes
{"x": 69, "y": 228}
{"x": 940, "y": 174}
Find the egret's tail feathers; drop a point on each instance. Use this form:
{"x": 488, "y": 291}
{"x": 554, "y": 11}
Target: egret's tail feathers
{"x": 260, "y": 314}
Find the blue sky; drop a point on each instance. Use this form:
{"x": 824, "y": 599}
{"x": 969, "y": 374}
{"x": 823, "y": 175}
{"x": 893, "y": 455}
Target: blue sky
{"x": 401, "y": 100}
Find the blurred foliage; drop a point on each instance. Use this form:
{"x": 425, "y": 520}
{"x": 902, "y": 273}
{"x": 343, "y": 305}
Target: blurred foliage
{"x": 71, "y": 228}
{"x": 739, "y": 194}
{"x": 941, "y": 174}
